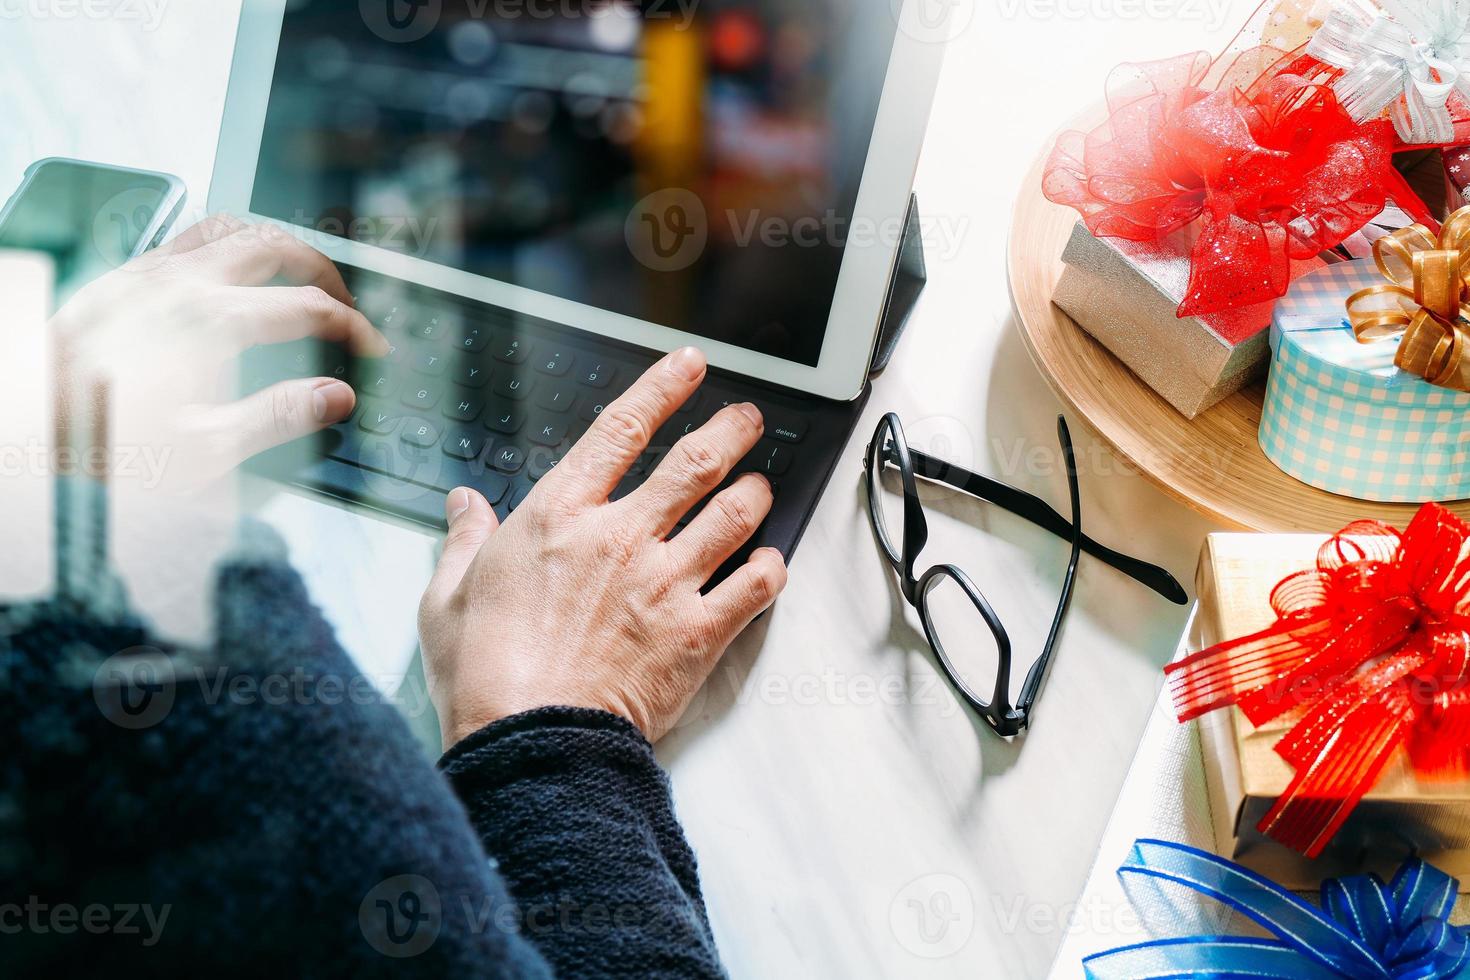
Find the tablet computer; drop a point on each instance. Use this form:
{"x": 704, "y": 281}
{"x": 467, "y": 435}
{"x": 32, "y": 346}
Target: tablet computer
{"x": 727, "y": 173}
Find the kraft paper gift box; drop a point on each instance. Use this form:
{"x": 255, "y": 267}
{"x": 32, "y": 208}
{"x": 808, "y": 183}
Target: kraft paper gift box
{"x": 1402, "y": 816}
{"x": 1126, "y": 294}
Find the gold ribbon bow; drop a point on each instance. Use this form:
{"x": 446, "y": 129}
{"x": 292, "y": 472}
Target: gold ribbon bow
{"x": 1426, "y": 300}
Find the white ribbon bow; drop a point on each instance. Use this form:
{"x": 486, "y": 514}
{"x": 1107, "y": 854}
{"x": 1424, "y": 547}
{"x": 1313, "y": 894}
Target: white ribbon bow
{"x": 1406, "y": 57}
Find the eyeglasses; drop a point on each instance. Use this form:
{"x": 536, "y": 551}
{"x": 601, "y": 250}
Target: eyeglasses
{"x": 946, "y": 599}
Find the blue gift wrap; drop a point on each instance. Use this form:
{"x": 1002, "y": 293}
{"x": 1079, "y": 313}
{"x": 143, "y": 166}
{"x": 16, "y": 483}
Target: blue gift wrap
{"x": 1363, "y": 928}
{"x": 1341, "y": 417}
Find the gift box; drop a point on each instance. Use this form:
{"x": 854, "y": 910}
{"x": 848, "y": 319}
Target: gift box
{"x": 1213, "y": 917}
{"x": 1402, "y": 816}
{"x": 1456, "y": 176}
{"x": 1126, "y": 294}
{"x": 1340, "y": 416}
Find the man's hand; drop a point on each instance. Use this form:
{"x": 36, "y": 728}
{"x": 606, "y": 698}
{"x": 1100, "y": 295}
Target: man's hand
{"x": 162, "y": 332}
{"x": 584, "y": 603}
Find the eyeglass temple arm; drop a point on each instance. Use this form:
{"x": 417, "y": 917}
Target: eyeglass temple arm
{"x": 1040, "y": 513}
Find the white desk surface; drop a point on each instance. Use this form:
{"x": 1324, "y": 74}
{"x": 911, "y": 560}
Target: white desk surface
{"x": 842, "y": 830}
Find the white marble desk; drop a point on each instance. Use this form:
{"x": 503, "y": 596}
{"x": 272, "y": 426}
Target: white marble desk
{"x": 843, "y": 830}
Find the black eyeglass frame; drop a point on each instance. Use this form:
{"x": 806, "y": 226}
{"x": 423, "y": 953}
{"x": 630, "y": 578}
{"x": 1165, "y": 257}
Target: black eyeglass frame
{"x": 1005, "y": 718}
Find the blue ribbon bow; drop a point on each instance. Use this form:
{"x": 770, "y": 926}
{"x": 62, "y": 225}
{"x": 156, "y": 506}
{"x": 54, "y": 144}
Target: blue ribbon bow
{"x": 1365, "y": 930}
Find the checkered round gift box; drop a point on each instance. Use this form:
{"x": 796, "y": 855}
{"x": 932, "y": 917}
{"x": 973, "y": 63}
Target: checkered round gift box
{"x": 1341, "y": 417}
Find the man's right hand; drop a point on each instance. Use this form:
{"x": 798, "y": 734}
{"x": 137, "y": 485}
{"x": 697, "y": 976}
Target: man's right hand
{"x": 580, "y": 602}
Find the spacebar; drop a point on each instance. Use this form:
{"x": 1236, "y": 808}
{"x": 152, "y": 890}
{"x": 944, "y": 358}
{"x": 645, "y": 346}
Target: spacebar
{"x": 354, "y": 484}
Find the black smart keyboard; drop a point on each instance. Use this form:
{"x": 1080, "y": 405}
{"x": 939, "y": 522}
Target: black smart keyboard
{"x": 472, "y": 395}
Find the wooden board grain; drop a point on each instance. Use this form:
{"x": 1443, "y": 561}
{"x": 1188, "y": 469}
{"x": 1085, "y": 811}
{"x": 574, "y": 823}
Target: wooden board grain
{"x": 1213, "y": 463}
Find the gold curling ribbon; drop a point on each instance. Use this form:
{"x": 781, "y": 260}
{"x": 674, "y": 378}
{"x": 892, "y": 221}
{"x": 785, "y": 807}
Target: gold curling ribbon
{"x": 1426, "y": 300}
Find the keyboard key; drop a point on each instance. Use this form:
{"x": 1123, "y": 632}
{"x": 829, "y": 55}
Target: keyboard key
{"x": 378, "y": 384}
{"x": 542, "y": 462}
{"x": 423, "y": 396}
{"x": 349, "y": 482}
{"x": 556, "y": 397}
{"x": 508, "y": 459}
{"x": 465, "y": 445}
{"x": 429, "y": 362}
{"x": 553, "y": 362}
{"x": 394, "y": 319}
{"x": 379, "y": 421}
{"x": 594, "y": 373}
{"x": 470, "y": 373}
{"x": 625, "y": 486}
{"x": 511, "y": 386}
{"x": 512, "y": 350}
{"x": 401, "y": 461}
{"x": 548, "y": 432}
{"x": 519, "y": 498}
{"x": 505, "y": 418}
{"x": 432, "y": 328}
{"x": 474, "y": 339}
{"x": 787, "y": 429}
{"x": 771, "y": 458}
{"x": 464, "y": 405}
{"x": 493, "y": 487}
{"x": 420, "y": 433}
{"x": 589, "y": 408}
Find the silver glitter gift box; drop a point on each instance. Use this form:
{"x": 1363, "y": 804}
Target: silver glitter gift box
{"x": 1126, "y": 294}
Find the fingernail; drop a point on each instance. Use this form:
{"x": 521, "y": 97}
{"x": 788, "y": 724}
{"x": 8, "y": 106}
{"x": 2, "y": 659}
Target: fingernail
{"x": 331, "y": 401}
{"x": 774, "y": 552}
{"x": 688, "y": 363}
{"x": 456, "y": 504}
{"x": 761, "y": 477}
{"x": 752, "y": 413}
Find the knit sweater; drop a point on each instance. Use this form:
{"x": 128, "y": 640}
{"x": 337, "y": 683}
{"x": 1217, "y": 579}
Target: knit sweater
{"x": 254, "y": 809}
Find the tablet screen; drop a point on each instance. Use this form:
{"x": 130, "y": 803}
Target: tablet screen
{"x": 690, "y": 163}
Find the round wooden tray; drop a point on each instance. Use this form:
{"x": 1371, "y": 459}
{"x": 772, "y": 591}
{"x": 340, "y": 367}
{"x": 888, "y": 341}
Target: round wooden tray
{"x": 1212, "y": 463}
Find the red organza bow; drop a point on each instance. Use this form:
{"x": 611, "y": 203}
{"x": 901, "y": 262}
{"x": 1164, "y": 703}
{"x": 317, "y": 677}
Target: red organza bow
{"x": 1249, "y": 175}
{"x": 1372, "y": 650}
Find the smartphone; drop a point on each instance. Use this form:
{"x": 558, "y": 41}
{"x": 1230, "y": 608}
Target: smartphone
{"x": 89, "y": 217}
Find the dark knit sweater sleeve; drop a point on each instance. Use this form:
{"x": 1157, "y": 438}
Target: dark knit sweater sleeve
{"x": 579, "y": 818}
{"x": 255, "y": 809}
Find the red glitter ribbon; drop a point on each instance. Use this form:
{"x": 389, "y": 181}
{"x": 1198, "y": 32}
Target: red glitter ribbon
{"x": 1247, "y": 175}
{"x": 1370, "y": 653}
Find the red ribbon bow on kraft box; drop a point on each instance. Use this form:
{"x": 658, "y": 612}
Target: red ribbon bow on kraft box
{"x": 1370, "y": 655}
